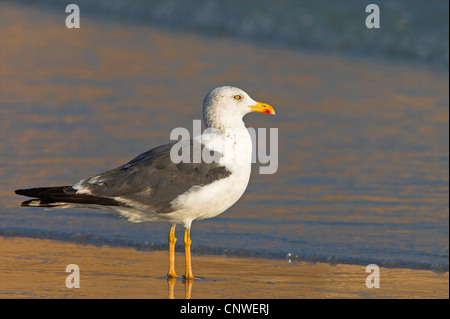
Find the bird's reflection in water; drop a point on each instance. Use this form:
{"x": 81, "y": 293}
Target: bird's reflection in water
{"x": 171, "y": 287}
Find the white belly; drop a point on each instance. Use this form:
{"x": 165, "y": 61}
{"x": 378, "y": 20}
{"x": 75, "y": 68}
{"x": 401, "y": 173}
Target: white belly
{"x": 209, "y": 201}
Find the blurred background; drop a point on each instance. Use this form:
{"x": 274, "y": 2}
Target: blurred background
{"x": 412, "y": 30}
{"x": 362, "y": 114}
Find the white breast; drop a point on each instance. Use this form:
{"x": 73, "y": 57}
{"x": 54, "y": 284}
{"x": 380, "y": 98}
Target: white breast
{"x": 208, "y": 201}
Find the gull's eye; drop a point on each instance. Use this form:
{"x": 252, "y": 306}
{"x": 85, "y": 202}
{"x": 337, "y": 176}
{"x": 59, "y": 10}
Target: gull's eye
{"x": 237, "y": 97}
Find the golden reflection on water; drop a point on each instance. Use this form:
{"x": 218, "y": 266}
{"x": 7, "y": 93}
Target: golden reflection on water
{"x": 188, "y": 283}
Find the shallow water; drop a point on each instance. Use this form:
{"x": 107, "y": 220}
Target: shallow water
{"x": 363, "y": 173}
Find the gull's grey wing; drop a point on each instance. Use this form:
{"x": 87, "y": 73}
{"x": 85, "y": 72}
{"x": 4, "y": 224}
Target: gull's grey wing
{"x": 151, "y": 180}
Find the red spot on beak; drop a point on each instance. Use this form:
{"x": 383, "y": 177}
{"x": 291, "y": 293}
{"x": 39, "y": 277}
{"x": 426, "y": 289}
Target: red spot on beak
{"x": 267, "y": 111}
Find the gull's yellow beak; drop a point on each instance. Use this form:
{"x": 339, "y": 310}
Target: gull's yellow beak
{"x": 262, "y": 108}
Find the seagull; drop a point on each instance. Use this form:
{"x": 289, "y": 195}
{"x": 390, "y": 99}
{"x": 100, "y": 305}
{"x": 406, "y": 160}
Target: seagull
{"x": 158, "y": 186}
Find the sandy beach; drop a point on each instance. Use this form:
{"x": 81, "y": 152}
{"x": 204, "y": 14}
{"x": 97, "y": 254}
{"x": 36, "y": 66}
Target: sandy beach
{"x": 35, "y": 268}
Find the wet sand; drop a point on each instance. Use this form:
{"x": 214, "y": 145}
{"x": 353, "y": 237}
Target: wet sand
{"x": 35, "y": 268}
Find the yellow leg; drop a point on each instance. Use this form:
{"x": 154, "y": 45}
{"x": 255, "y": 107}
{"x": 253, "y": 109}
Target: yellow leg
{"x": 172, "y": 241}
{"x": 187, "y": 248}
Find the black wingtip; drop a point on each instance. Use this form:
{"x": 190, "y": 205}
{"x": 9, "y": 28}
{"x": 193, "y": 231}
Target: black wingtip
{"x": 54, "y": 196}
{"x": 20, "y": 192}
{"x": 30, "y": 192}
{"x": 42, "y": 191}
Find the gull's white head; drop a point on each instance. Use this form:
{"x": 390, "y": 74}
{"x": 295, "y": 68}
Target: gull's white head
{"x": 225, "y": 106}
